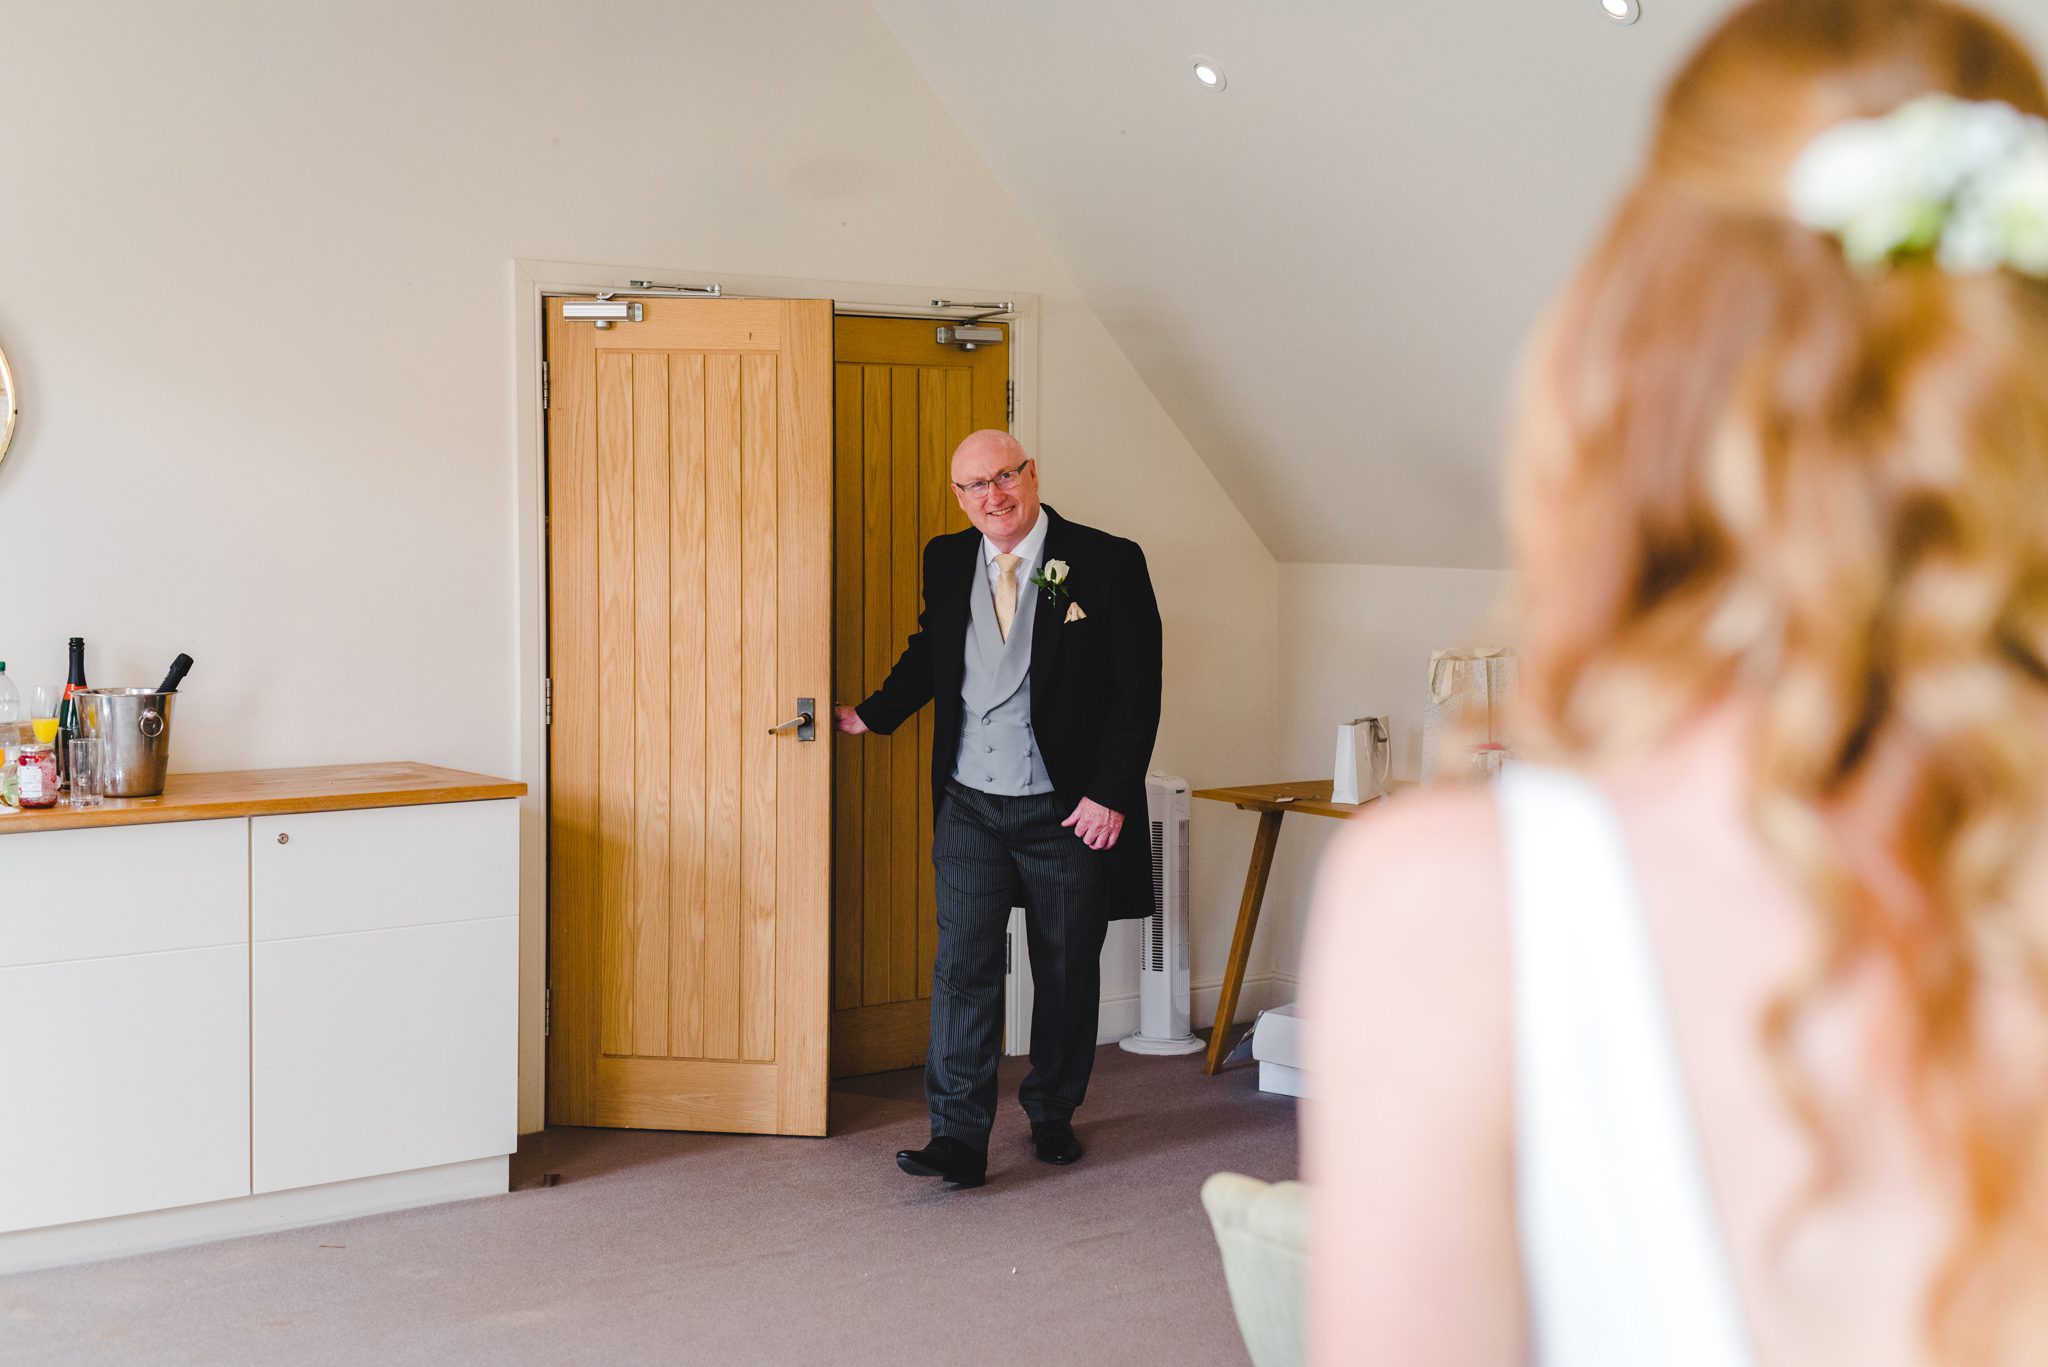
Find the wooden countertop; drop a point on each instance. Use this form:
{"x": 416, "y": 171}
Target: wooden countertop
{"x": 1311, "y": 796}
{"x": 270, "y": 792}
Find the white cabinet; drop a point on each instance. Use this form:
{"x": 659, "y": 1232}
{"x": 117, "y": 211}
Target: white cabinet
{"x": 384, "y": 985}
{"x": 327, "y": 873}
{"x": 203, "y": 1021}
{"x": 124, "y": 1020}
{"x": 123, "y": 890}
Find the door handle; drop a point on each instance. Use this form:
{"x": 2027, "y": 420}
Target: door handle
{"x": 805, "y": 721}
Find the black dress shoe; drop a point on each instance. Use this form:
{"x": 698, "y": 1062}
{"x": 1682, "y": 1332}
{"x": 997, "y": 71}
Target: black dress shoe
{"x": 1054, "y": 1142}
{"x": 946, "y": 1157}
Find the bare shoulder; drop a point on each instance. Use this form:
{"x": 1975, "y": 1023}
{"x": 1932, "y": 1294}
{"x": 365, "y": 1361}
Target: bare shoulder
{"x": 1408, "y": 932}
{"x": 1408, "y": 1141}
{"x": 1426, "y": 864}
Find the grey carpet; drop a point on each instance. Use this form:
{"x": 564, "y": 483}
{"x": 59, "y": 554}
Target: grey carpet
{"x": 713, "y": 1249}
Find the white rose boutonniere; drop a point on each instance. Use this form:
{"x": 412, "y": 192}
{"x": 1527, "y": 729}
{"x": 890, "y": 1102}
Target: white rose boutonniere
{"x": 1053, "y": 580}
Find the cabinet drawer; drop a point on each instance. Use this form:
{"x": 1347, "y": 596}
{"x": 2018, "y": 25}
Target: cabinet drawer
{"x": 123, "y": 890}
{"x": 331, "y": 873}
{"x": 124, "y": 1084}
{"x": 384, "y": 1051}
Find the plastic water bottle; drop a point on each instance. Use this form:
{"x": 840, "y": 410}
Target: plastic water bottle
{"x": 10, "y": 714}
{"x": 10, "y": 739}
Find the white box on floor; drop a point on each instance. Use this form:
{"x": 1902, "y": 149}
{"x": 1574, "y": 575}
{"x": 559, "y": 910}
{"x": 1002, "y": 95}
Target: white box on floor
{"x": 1276, "y": 1044}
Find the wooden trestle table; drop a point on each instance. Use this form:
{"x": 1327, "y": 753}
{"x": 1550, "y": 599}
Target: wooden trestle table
{"x": 1271, "y": 801}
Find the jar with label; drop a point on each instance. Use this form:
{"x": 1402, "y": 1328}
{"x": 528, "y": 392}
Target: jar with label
{"x": 36, "y": 772}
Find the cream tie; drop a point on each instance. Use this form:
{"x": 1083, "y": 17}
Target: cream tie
{"x": 1006, "y": 592}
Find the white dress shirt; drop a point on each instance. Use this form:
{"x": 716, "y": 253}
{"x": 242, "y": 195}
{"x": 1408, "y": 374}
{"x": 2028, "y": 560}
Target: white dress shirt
{"x": 1028, "y": 549}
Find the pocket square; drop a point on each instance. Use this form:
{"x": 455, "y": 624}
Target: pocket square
{"x": 1074, "y": 613}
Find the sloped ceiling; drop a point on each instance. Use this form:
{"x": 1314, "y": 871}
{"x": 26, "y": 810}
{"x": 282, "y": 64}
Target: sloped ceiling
{"x": 1324, "y": 272}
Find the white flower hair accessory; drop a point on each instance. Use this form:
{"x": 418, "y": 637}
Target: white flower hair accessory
{"x": 1962, "y": 181}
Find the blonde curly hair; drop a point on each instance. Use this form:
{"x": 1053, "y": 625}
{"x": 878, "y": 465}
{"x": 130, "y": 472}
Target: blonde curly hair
{"x": 1748, "y": 469}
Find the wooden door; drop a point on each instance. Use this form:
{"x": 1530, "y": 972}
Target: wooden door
{"x": 690, "y": 561}
{"x": 903, "y": 402}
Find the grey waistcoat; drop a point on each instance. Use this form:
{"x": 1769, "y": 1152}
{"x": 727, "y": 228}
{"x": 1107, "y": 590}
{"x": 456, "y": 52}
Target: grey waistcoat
{"x": 998, "y": 753}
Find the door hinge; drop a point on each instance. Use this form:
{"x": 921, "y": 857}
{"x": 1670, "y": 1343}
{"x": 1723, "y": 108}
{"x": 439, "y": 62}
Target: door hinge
{"x": 1009, "y": 402}
{"x": 547, "y": 1011}
{"x": 543, "y": 386}
{"x": 547, "y": 702}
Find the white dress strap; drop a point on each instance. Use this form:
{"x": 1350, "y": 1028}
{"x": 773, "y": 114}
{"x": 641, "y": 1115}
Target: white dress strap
{"x": 1621, "y": 1256}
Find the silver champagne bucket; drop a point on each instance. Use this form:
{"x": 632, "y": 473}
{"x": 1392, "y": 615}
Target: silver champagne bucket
{"x": 134, "y": 729}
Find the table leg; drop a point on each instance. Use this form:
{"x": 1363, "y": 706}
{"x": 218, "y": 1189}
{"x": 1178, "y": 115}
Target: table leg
{"x": 1241, "y": 943}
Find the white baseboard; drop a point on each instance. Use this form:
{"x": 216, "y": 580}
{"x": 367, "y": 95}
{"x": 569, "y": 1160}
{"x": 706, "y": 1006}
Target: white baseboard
{"x": 1260, "y": 991}
{"x": 120, "y": 1235}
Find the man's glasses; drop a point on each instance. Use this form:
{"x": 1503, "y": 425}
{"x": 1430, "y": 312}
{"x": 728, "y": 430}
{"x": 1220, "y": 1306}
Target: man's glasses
{"x": 1001, "y": 479}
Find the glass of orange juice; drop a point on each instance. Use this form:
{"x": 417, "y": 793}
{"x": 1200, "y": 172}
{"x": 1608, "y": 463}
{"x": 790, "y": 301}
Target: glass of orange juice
{"x": 42, "y": 711}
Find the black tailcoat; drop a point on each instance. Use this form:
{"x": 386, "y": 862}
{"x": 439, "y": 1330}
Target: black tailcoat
{"x": 1094, "y": 682}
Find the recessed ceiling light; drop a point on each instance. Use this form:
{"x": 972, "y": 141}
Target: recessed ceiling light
{"x": 1208, "y": 74}
{"x": 1622, "y": 11}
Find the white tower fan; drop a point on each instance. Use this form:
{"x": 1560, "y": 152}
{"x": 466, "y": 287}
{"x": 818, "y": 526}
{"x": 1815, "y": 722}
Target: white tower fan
{"x": 1163, "y": 987}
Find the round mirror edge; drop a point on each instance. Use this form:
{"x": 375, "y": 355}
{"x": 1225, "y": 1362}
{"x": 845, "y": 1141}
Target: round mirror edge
{"x": 13, "y": 406}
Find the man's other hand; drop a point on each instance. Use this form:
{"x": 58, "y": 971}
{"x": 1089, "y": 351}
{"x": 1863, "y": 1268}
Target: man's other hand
{"x": 1096, "y": 824}
{"x": 848, "y": 720}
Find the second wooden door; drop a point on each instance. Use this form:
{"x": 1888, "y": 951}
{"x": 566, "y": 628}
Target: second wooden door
{"x": 902, "y": 403}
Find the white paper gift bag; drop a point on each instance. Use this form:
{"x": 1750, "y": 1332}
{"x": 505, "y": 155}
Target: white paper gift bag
{"x": 1365, "y": 752}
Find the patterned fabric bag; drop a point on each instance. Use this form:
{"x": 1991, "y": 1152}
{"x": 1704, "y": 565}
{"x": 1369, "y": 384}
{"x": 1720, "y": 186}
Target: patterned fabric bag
{"x": 1464, "y": 719}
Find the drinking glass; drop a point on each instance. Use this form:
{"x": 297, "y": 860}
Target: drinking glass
{"x": 42, "y": 710}
{"x": 88, "y": 782}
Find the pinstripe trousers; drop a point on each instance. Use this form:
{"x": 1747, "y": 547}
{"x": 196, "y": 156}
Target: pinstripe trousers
{"x": 991, "y": 853}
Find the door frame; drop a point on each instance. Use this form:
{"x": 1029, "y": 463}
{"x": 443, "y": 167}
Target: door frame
{"x": 533, "y": 281}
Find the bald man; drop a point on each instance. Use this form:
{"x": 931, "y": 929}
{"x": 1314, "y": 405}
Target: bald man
{"x": 1039, "y": 645}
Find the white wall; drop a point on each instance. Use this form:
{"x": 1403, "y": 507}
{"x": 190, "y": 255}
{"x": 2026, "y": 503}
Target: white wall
{"x": 1356, "y": 642}
{"x": 1131, "y": 471}
{"x": 255, "y": 282}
